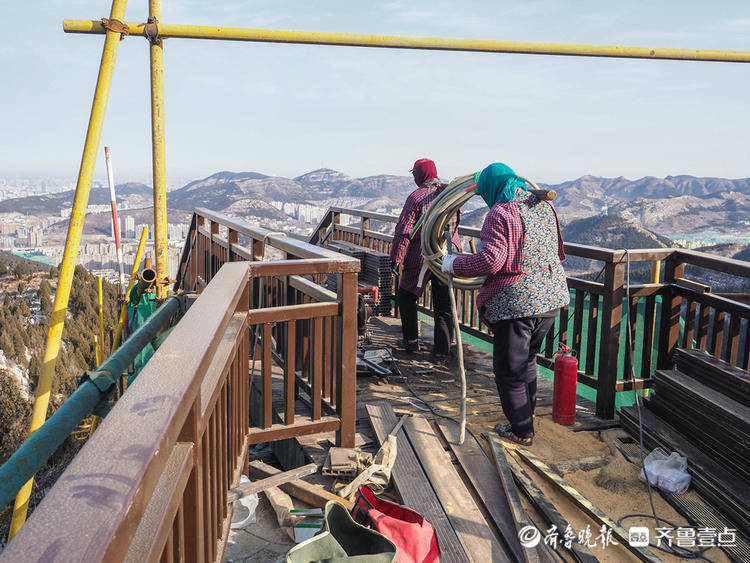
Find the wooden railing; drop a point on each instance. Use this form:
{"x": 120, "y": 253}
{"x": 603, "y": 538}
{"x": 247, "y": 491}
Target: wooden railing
{"x": 599, "y": 309}
{"x": 303, "y": 332}
{"x": 151, "y": 483}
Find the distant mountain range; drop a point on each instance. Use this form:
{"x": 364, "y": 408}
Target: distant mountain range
{"x": 668, "y": 205}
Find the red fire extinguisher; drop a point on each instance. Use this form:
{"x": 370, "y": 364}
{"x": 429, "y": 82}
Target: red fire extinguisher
{"x": 566, "y": 378}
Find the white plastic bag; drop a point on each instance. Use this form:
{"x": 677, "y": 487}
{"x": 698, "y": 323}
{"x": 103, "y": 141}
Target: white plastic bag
{"x": 243, "y": 510}
{"x": 666, "y": 471}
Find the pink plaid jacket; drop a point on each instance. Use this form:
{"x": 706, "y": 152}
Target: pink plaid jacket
{"x": 409, "y": 252}
{"x": 501, "y": 253}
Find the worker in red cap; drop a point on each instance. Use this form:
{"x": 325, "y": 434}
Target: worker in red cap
{"x": 407, "y": 251}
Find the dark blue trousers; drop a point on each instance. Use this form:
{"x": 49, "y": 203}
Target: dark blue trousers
{"x": 516, "y": 344}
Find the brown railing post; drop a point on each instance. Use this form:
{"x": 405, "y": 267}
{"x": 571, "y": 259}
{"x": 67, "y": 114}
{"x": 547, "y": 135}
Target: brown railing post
{"x": 365, "y": 226}
{"x": 609, "y": 345}
{"x": 669, "y": 329}
{"x": 346, "y": 374}
{"x": 233, "y": 237}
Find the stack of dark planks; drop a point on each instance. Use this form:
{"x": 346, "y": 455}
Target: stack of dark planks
{"x": 349, "y": 249}
{"x": 701, "y": 410}
{"x": 717, "y": 374}
{"x": 375, "y": 270}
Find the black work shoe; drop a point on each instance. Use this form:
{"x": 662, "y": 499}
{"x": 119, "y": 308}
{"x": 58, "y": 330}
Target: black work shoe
{"x": 505, "y": 432}
{"x": 503, "y": 428}
{"x": 408, "y": 346}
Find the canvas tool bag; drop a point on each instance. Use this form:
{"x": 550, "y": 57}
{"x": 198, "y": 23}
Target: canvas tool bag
{"x": 409, "y": 530}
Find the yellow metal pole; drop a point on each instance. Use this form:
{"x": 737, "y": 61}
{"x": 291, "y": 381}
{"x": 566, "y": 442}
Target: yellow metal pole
{"x": 101, "y": 325}
{"x": 131, "y": 283}
{"x": 156, "y": 56}
{"x": 72, "y": 242}
{"x": 404, "y": 42}
{"x": 98, "y": 358}
{"x": 655, "y": 271}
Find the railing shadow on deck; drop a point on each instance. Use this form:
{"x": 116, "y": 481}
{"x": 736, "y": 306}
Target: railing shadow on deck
{"x": 674, "y": 312}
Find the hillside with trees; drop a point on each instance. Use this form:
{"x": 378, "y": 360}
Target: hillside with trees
{"x": 27, "y": 290}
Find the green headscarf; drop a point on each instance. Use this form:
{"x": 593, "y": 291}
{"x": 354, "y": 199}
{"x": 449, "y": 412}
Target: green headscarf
{"x": 498, "y": 182}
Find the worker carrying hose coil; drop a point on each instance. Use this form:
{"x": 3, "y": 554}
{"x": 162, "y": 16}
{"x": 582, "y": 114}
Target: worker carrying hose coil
{"x": 523, "y": 287}
{"x": 406, "y": 250}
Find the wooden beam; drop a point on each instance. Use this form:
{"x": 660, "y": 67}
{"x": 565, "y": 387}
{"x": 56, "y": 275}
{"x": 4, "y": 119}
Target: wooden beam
{"x": 314, "y": 495}
{"x": 253, "y": 487}
{"x": 520, "y": 518}
{"x": 543, "y": 505}
{"x": 585, "y": 505}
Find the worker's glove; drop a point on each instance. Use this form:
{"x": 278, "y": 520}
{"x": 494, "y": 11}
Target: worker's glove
{"x": 447, "y": 266}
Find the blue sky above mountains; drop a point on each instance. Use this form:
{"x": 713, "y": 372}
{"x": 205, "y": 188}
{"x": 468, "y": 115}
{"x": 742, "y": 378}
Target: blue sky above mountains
{"x": 286, "y": 109}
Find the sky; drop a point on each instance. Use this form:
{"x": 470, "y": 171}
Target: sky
{"x": 288, "y": 109}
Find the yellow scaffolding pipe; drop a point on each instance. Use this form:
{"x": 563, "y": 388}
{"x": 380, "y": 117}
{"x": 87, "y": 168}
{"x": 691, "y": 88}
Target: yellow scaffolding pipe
{"x": 156, "y": 57}
{"x": 101, "y": 325}
{"x": 131, "y": 283}
{"x": 405, "y": 42}
{"x": 72, "y": 242}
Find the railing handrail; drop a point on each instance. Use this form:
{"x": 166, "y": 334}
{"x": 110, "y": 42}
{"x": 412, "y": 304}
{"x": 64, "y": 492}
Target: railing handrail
{"x": 722, "y": 264}
{"x": 282, "y": 242}
{"x": 574, "y": 249}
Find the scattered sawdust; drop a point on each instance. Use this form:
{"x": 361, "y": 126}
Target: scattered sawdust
{"x": 616, "y": 476}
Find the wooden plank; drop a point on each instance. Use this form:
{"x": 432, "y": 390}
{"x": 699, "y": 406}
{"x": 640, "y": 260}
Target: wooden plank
{"x": 585, "y": 505}
{"x": 520, "y": 518}
{"x": 412, "y": 484}
{"x": 548, "y": 510}
{"x": 248, "y": 489}
{"x": 475, "y": 535}
{"x": 483, "y": 478}
{"x": 314, "y": 495}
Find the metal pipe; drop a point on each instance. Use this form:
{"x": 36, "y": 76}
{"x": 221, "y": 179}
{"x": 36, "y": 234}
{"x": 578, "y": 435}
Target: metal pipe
{"x": 405, "y": 42}
{"x": 101, "y": 322}
{"x": 72, "y": 242}
{"x": 42, "y": 444}
{"x": 131, "y": 283}
{"x": 161, "y": 250}
{"x": 146, "y": 280}
{"x": 115, "y": 221}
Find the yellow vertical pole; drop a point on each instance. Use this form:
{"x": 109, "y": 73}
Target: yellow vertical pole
{"x": 72, "y": 242}
{"x": 98, "y": 359}
{"x": 655, "y": 271}
{"x": 156, "y": 55}
{"x": 101, "y": 324}
{"x": 131, "y": 283}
